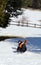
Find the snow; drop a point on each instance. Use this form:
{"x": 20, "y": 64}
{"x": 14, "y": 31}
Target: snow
{"x": 8, "y": 57}
{"x": 32, "y": 16}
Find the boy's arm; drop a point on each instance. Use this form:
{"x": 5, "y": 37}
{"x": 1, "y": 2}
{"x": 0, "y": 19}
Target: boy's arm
{"x": 25, "y": 41}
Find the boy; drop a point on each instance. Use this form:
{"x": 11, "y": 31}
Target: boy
{"x": 22, "y": 46}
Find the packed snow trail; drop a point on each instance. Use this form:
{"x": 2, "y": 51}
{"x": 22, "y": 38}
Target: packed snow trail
{"x": 8, "y": 57}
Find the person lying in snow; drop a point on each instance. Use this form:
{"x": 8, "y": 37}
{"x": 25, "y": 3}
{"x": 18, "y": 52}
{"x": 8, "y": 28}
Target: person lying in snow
{"x": 22, "y": 46}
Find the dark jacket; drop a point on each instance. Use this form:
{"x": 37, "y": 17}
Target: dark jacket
{"x": 23, "y": 49}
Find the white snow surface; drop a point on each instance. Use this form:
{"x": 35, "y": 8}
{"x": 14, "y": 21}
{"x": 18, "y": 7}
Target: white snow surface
{"x": 33, "y": 16}
{"x": 8, "y": 57}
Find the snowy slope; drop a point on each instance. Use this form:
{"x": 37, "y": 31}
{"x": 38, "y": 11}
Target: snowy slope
{"x": 33, "y": 16}
{"x": 8, "y": 57}
{"x": 30, "y": 57}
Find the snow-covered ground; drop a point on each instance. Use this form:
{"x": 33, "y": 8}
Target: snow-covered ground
{"x": 33, "y": 16}
{"x": 8, "y": 57}
{"x": 7, "y": 47}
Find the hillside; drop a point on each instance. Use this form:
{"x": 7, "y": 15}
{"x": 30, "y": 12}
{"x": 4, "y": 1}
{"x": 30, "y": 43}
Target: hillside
{"x": 31, "y": 16}
{"x": 12, "y": 6}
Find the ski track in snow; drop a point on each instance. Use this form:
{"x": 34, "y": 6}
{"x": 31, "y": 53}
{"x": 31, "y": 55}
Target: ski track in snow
{"x": 8, "y": 57}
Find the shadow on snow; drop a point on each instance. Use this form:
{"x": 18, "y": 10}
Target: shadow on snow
{"x": 34, "y": 43}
